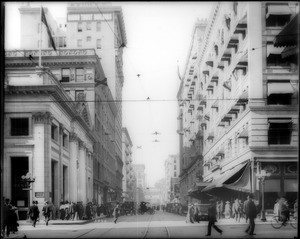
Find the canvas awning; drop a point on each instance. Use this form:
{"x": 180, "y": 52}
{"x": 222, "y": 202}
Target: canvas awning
{"x": 244, "y": 134}
{"x": 289, "y": 34}
{"x": 271, "y": 49}
{"x": 219, "y": 182}
{"x": 278, "y": 10}
{"x": 243, "y": 183}
{"x": 280, "y": 88}
{"x": 290, "y": 51}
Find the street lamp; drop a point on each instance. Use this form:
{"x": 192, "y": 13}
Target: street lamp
{"x": 261, "y": 177}
{"x": 26, "y": 181}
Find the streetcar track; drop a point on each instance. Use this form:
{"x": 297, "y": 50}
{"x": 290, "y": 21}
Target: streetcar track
{"x": 86, "y": 233}
{"x": 165, "y": 227}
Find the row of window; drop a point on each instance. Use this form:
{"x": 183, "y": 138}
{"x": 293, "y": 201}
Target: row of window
{"x": 89, "y": 39}
{"x": 88, "y": 26}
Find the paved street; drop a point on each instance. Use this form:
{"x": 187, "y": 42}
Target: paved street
{"x": 162, "y": 225}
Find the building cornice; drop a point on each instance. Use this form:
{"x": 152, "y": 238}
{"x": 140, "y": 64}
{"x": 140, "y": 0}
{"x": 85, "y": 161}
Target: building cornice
{"x": 59, "y": 96}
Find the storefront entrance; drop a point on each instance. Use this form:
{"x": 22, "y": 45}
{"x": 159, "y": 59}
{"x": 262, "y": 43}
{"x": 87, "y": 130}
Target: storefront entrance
{"x": 19, "y": 196}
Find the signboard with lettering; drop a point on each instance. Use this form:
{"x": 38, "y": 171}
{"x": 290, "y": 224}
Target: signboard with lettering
{"x": 90, "y": 17}
{"x": 39, "y": 194}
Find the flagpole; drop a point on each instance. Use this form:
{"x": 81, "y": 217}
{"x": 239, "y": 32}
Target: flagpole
{"x": 40, "y": 45}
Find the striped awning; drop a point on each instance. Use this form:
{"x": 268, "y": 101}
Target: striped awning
{"x": 278, "y": 10}
{"x": 280, "y": 88}
{"x": 219, "y": 182}
{"x": 289, "y": 34}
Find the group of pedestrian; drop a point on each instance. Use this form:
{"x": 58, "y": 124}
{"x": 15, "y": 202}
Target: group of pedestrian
{"x": 250, "y": 210}
{"x": 215, "y": 211}
{"x": 10, "y": 218}
{"x": 235, "y": 210}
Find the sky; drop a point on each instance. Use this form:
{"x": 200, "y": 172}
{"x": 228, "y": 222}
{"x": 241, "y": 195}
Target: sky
{"x": 158, "y": 40}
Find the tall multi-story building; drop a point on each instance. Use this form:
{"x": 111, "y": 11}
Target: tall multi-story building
{"x": 101, "y": 26}
{"x": 128, "y": 185}
{"x": 250, "y": 99}
{"x": 48, "y": 131}
{"x": 172, "y": 177}
{"x": 95, "y": 144}
{"x": 140, "y": 176}
{"x": 189, "y": 116}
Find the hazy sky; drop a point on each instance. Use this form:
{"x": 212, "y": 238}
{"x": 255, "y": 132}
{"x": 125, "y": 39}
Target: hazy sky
{"x": 159, "y": 37}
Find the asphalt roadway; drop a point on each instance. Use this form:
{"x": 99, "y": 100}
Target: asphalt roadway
{"x": 159, "y": 225}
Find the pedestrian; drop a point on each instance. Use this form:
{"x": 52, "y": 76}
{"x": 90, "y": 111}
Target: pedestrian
{"x": 190, "y": 214}
{"x": 47, "y": 212}
{"x": 34, "y": 213}
{"x": 276, "y": 207}
{"x": 5, "y": 222}
{"x": 219, "y": 209}
{"x": 244, "y": 208}
{"x": 62, "y": 210}
{"x": 227, "y": 210}
{"x": 95, "y": 206}
{"x": 197, "y": 213}
{"x": 251, "y": 213}
{"x": 212, "y": 218}
{"x": 116, "y": 212}
{"x": 296, "y": 209}
{"x": 237, "y": 210}
{"x": 284, "y": 210}
{"x": 14, "y": 219}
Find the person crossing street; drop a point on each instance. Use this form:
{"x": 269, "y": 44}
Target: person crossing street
{"x": 212, "y": 218}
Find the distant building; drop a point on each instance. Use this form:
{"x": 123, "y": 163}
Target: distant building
{"x": 129, "y": 178}
{"x": 189, "y": 117}
{"x": 171, "y": 176}
{"x": 140, "y": 176}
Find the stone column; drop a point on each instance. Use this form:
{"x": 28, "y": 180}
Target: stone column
{"x": 255, "y": 57}
{"x": 60, "y": 164}
{"x": 42, "y": 154}
{"x": 73, "y": 167}
{"x": 82, "y": 172}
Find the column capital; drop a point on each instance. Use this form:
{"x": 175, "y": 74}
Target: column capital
{"x": 81, "y": 144}
{"x": 73, "y": 136}
{"x": 42, "y": 117}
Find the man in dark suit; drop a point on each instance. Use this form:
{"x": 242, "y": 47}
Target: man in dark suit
{"x": 251, "y": 212}
{"x": 212, "y": 218}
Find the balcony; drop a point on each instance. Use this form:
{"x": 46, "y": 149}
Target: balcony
{"x": 215, "y": 104}
{"x": 210, "y": 136}
{"x": 210, "y": 87}
{"x": 226, "y": 118}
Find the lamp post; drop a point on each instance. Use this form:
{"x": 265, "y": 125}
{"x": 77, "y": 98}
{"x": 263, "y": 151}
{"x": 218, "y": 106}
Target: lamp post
{"x": 261, "y": 177}
{"x": 26, "y": 181}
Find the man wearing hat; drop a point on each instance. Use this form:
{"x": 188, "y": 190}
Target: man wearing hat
{"x": 47, "y": 212}
{"x": 212, "y": 218}
{"x": 251, "y": 212}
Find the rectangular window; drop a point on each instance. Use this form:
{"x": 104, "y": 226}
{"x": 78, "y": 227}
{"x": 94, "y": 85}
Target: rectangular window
{"x": 98, "y": 26}
{"x": 19, "y": 126}
{"x": 79, "y": 74}
{"x": 98, "y": 43}
{"x": 54, "y": 132}
{"x": 88, "y": 39}
{"x": 65, "y": 140}
{"x": 89, "y": 26}
{"x": 277, "y": 15}
{"x": 79, "y": 95}
{"x": 280, "y": 131}
{"x": 65, "y": 75}
{"x": 279, "y": 92}
{"x": 79, "y": 43}
{"x": 79, "y": 27}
